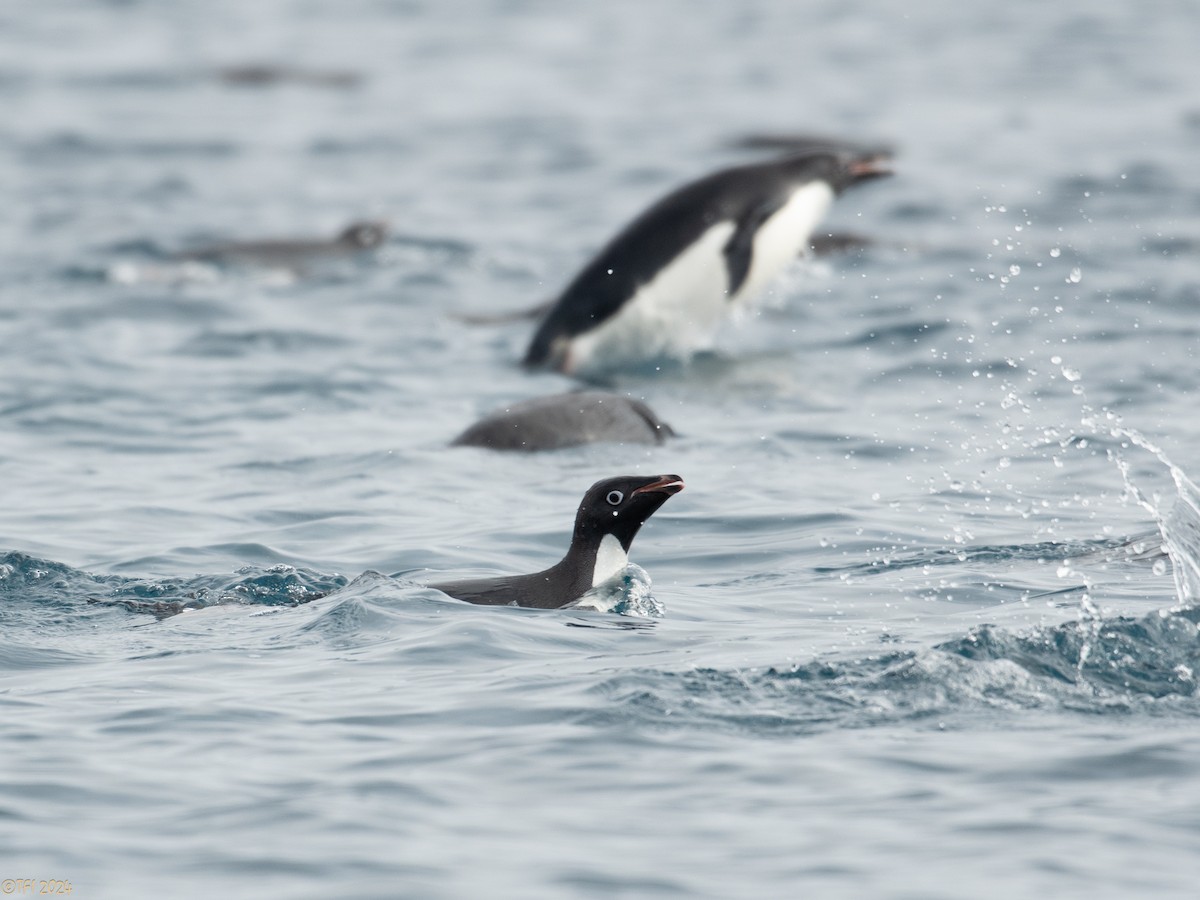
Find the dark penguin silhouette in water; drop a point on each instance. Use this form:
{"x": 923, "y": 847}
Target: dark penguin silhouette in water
{"x": 265, "y": 74}
{"x": 664, "y": 283}
{"x": 287, "y": 253}
{"x": 608, "y": 519}
{"x": 567, "y": 420}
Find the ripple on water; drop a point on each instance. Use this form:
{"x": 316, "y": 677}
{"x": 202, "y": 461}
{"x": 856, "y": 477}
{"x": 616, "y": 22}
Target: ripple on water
{"x": 31, "y": 587}
{"x": 1116, "y": 665}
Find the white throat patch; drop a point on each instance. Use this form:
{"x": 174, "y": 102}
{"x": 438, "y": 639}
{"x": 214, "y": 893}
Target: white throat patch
{"x": 611, "y": 559}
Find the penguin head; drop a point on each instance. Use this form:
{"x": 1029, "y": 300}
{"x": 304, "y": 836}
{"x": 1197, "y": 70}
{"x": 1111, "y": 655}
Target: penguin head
{"x": 864, "y": 168}
{"x": 364, "y": 235}
{"x": 839, "y": 170}
{"x": 620, "y": 506}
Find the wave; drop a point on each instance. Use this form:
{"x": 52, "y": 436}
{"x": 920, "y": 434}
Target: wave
{"x": 1094, "y": 666}
{"x": 30, "y": 586}
{"x": 28, "y": 583}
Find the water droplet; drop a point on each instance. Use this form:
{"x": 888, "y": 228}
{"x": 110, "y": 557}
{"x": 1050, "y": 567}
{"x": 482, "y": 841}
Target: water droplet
{"x": 1055, "y": 252}
{"x": 1014, "y": 269}
{"x": 1159, "y": 567}
{"x": 1076, "y": 275}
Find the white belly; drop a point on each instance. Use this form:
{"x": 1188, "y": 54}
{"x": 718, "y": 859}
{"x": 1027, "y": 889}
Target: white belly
{"x": 678, "y": 313}
{"x": 673, "y": 315}
{"x": 784, "y": 236}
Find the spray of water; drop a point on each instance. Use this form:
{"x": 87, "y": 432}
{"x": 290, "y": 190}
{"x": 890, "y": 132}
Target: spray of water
{"x": 1178, "y": 519}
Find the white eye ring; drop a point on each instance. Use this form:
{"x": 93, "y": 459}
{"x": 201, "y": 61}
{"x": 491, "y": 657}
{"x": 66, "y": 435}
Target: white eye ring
{"x": 614, "y": 498}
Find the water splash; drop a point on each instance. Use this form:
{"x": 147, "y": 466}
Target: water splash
{"x": 1179, "y": 523}
{"x": 1122, "y": 665}
{"x": 1121, "y": 659}
{"x": 628, "y": 594}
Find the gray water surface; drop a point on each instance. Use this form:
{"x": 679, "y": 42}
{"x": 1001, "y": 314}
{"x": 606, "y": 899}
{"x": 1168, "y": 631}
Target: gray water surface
{"x": 918, "y": 636}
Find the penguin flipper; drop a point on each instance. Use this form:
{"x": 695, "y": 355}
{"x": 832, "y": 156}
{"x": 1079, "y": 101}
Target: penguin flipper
{"x": 660, "y": 429}
{"x": 739, "y": 250}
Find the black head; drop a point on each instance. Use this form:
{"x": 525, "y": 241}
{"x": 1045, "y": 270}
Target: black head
{"x": 840, "y": 170}
{"x": 620, "y": 506}
{"x": 364, "y": 235}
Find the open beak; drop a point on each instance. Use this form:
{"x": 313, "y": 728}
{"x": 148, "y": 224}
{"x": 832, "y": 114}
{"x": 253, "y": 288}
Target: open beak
{"x": 664, "y": 484}
{"x": 873, "y": 167}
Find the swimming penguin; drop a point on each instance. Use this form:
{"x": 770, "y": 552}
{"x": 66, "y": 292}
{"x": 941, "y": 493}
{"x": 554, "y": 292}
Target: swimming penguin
{"x": 283, "y": 253}
{"x": 664, "y": 283}
{"x": 567, "y": 420}
{"x": 609, "y": 517}
{"x": 269, "y": 74}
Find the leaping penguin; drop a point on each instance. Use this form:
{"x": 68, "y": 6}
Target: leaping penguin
{"x": 608, "y": 519}
{"x": 663, "y": 284}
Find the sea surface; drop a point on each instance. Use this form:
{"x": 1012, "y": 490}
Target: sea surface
{"x": 924, "y": 623}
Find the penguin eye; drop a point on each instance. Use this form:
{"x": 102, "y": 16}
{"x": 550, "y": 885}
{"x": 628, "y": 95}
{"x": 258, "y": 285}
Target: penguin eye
{"x": 614, "y": 498}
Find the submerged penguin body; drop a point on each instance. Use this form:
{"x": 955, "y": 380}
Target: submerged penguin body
{"x": 357, "y": 237}
{"x": 567, "y": 420}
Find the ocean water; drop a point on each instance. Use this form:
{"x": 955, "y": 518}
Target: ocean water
{"x": 924, "y": 623}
